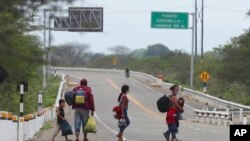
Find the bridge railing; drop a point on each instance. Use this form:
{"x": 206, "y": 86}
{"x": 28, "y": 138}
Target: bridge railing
{"x": 213, "y": 117}
{"x": 14, "y": 128}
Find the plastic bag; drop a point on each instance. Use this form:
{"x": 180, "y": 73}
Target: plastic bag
{"x": 90, "y": 127}
{"x": 66, "y": 128}
{"x": 122, "y": 123}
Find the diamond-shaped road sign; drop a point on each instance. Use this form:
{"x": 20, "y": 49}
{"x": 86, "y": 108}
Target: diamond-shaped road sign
{"x": 204, "y": 76}
{"x": 3, "y": 74}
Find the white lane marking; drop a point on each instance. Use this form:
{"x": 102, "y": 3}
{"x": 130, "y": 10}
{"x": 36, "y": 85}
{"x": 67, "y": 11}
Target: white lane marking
{"x": 106, "y": 126}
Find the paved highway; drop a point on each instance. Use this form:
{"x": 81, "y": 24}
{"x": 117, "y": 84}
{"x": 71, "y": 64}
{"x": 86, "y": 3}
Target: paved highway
{"x": 147, "y": 124}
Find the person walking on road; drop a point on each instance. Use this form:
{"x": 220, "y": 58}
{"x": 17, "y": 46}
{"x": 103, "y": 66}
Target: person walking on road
{"x": 173, "y": 98}
{"x": 83, "y": 104}
{"x": 124, "y": 121}
{"x": 127, "y": 73}
{"x": 60, "y": 119}
{"x": 171, "y": 122}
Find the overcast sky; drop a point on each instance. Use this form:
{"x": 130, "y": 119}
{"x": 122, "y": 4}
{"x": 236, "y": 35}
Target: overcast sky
{"x": 127, "y": 22}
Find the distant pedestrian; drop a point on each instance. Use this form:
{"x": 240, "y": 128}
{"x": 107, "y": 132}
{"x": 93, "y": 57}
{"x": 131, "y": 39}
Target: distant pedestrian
{"x": 124, "y": 121}
{"x": 127, "y": 73}
{"x": 83, "y": 104}
{"x": 60, "y": 119}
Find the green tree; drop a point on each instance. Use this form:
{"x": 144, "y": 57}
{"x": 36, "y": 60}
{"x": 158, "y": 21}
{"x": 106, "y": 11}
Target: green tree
{"x": 157, "y": 50}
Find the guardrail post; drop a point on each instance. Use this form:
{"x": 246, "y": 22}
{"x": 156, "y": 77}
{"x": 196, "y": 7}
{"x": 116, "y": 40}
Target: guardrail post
{"x": 245, "y": 120}
{"x": 213, "y": 117}
{"x": 208, "y": 117}
{"x": 202, "y": 117}
{"x": 196, "y": 116}
{"x": 225, "y": 117}
{"x": 241, "y": 114}
{"x": 219, "y": 119}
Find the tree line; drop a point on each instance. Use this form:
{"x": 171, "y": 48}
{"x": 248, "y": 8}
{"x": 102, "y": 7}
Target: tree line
{"x": 21, "y": 53}
{"x": 228, "y": 65}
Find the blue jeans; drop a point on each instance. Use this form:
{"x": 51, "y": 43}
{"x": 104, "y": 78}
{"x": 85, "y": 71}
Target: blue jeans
{"x": 81, "y": 118}
{"x": 126, "y": 119}
{"x": 172, "y": 129}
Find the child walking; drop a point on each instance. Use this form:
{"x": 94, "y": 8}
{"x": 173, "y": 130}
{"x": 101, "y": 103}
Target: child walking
{"x": 60, "y": 119}
{"x": 171, "y": 122}
{"x": 180, "y": 114}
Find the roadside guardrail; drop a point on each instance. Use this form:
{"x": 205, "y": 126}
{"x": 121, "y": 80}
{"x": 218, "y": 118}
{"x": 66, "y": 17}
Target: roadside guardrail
{"x": 213, "y": 117}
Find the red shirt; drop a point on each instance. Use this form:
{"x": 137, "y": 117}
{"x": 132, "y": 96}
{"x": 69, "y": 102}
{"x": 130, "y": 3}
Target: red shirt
{"x": 170, "y": 118}
{"x": 124, "y": 100}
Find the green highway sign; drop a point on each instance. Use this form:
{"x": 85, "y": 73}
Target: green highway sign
{"x": 171, "y": 20}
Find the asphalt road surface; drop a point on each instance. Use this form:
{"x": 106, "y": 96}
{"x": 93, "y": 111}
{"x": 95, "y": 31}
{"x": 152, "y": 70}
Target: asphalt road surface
{"x": 147, "y": 124}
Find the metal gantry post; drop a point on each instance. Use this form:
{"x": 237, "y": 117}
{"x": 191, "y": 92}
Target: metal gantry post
{"x": 49, "y": 48}
{"x": 44, "y": 45}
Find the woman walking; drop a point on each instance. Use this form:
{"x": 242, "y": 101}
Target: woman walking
{"x": 176, "y": 109}
{"x": 124, "y": 121}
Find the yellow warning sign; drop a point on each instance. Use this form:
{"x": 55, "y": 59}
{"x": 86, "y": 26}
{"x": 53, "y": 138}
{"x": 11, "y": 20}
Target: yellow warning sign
{"x": 204, "y": 76}
{"x": 114, "y": 61}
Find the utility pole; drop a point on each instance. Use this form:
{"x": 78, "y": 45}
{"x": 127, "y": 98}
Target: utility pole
{"x": 202, "y": 29}
{"x": 192, "y": 53}
{"x": 195, "y": 26}
{"x": 49, "y": 48}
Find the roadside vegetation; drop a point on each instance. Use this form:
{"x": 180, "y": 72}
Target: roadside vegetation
{"x": 21, "y": 54}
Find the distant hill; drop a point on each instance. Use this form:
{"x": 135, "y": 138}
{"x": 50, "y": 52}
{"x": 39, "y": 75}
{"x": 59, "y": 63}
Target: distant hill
{"x": 151, "y": 51}
{"x": 138, "y": 53}
{"x": 157, "y": 50}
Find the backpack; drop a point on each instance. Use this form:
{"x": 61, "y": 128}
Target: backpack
{"x": 69, "y": 97}
{"x": 80, "y": 97}
{"x": 163, "y": 104}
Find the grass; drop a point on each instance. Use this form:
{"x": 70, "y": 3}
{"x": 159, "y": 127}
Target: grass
{"x": 50, "y": 93}
{"x": 46, "y": 126}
